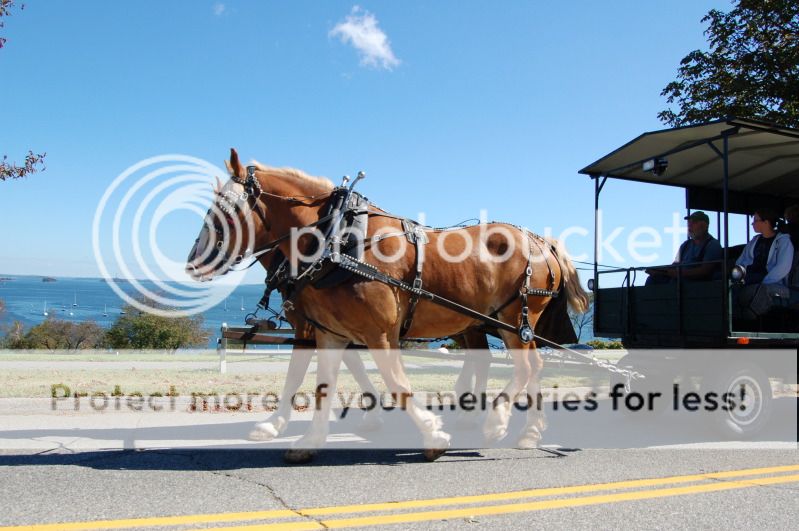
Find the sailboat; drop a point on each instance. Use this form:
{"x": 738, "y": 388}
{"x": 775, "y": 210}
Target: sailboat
{"x": 242, "y": 304}
{"x": 75, "y": 303}
{"x": 105, "y": 310}
{"x": 225, "y": 304}
{"x": 44, "y": 312}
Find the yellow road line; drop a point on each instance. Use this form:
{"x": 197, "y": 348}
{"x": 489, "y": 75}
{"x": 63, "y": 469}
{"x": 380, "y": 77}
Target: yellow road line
{"x": 550, "y": 491}
{"x": 393, "y": 506}
{"x": 512, "y": 508}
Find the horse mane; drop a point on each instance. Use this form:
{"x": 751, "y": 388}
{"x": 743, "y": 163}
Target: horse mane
{"x": 317, "y": 184}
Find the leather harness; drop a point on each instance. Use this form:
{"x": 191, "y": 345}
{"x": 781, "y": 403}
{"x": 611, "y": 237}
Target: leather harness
{"x": 342, "y": 259}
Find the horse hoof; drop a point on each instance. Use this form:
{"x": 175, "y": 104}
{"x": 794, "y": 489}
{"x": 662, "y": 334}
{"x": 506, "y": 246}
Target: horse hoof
{"x": 298, "y": 456}
{"x": 431, "y": 454}
{"x": 264, "y": 431}
{"x": 496, "y": 434}
{"x": 530, "y": 439}
{"x": 528, "y": 443}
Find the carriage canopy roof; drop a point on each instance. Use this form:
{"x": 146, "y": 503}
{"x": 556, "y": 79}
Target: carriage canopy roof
{"x": 763, "y": 161}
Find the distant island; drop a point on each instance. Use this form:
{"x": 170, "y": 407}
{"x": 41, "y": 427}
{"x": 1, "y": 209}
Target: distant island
{"x": 5, "y": 279}
{"x": 48, "y": 279}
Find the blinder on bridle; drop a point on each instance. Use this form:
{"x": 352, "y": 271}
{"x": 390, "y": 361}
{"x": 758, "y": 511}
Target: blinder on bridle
{"x": 229, "y": 203}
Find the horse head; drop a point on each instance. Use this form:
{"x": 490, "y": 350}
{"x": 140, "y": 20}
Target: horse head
{"x": 233, "y": 225}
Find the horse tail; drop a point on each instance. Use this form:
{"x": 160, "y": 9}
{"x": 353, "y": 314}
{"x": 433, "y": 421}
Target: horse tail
{"x": 576, "y": 296}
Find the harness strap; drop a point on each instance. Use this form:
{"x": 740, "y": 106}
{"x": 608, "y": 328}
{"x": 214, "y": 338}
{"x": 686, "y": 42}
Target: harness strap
{"x": 526, "y": 333}
{"x": 420, "y": 242}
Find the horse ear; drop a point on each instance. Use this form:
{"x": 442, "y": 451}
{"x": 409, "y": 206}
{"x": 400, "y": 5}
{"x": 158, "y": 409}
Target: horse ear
{"x": 218, "y": 188}
{"x": 234, "y": 166}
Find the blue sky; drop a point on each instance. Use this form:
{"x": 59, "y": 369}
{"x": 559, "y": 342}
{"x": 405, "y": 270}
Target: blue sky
{"x": 463, "y": 106}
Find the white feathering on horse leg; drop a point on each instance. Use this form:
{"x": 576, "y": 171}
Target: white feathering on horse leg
{"x": 430, "y": 426}
{"x": 530, "y": 439}
{"x": 269, "y": 429}
{"x": 497, "y": 420}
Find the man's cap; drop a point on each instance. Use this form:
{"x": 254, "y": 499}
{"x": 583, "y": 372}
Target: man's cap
{"x": 698, "y": 216}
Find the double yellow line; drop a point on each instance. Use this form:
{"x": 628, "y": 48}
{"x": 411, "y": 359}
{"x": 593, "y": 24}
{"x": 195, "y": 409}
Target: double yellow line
{"x": 493, "y": 504}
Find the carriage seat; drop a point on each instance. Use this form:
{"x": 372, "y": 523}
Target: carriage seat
{"x": 792, "y": 301}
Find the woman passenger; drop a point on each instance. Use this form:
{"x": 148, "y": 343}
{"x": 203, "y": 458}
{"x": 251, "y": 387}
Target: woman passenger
{"x": 767, "y": 258}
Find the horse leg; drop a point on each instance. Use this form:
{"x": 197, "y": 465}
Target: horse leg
{"x": 372, "y": 419}
{"x": 536, "y": 420}
{"x": 387, "y": 357}
{"x": 476, "y": 365}
{"x": 330, "y": 352}
{"x": 277, "y": 422}
{"x": 496, "y": 423}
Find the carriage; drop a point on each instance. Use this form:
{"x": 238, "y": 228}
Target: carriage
{"x": 728, "y": 167}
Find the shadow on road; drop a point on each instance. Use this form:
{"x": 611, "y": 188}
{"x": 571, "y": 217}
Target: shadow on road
{"x": 222, "y": 446}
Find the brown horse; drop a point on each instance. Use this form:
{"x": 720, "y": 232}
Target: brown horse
{"x": 482, "y": 267}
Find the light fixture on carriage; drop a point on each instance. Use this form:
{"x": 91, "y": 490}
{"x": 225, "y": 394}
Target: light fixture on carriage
{"x": 656, "y": 165}
{"x": 590, "y": 284}
{"x": 737, "y": 273}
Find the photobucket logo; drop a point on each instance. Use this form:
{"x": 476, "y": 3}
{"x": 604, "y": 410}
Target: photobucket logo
{"x": 487, "y": 242}
{"x": 132, "y": 214}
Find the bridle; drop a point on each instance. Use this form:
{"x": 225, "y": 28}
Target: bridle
{"x": 230, "y": 203}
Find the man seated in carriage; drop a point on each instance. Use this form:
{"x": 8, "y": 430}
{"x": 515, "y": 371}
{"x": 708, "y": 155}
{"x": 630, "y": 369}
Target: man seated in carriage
{"x": 700, "y": 248}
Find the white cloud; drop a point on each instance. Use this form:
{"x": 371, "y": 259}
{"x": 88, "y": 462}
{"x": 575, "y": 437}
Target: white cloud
{"x": 360, "y": 29}
{"x": 219, "y": 8}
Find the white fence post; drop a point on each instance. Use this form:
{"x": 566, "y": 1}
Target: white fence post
{"x": 221, "y": 348}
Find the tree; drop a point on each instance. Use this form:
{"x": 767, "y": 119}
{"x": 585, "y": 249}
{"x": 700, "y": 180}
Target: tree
{"x": 750, "y": 71}
{"x": 583, "y": 321}
{"x": 15, "y": 336}
{"x": 57, "y": 334}
{"x": 33, "y": 162}
{"x": 141, "y": 330}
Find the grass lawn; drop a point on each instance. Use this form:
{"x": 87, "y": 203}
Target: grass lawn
{"x": 38, "y": 382}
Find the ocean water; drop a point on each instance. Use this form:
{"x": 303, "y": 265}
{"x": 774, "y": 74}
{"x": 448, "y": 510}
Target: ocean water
{"x": 87, "y": 299}
{"x": 25, "y": 298}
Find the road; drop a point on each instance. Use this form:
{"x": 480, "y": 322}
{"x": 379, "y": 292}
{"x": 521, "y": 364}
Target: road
{"x": 245, "y": 489}
{"x": 687, "y": 482}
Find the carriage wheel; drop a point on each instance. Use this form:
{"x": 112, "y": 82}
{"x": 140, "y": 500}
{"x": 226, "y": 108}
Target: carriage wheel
{"x": 754, "y": 410}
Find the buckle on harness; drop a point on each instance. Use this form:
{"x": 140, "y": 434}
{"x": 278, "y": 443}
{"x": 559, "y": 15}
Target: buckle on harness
{"x": 287, "y": 306}
{"x": 526, "y": 333}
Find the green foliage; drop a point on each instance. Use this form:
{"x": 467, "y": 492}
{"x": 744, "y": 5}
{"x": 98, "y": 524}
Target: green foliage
{"x": 55, "y": 334}
{"x": 141, "y": 330}
{"x": 605, "y": 345}
{"x": 751, "y": 69}
{"x": 14, "y": 336}
{"x": 414, "y": 345}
